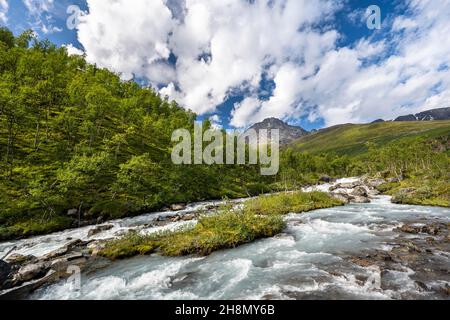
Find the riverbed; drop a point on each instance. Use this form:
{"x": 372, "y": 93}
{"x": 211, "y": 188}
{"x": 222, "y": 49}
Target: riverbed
{"x": 317, "y": 257}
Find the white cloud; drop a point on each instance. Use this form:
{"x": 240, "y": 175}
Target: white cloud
{"x": 71, "y": 50}
{"x": 216, "y": 122}
{"x": 4, "y": 7}
{"x": 39, "y": 11}
{"x": 224, "y": 46}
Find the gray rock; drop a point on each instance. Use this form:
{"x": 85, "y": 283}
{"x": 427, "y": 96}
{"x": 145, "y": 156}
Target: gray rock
{"x": 56, "y": 253}
{"x": 72, "y": 213}
{"x": 358, "y": 199}
{"x": 188, "y": 217}
{"x": 95, "y": 247}
{"x": 177, "y": 207}
{"x": 5, "y": 270}
{"x": 99, "y": 229}
{"x": 325, "y": 178}
{"x": 375, "y": 183}
{"x": 18, "y": 259}
{"x": 342, "y": 197}
{"x": 359, "y": 192}
{"x": 31, "y": 272}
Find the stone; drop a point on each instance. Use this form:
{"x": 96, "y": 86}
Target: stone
{"x": 18, "y": 259}
{"x": 5, "y": 270}
{"x": 342, "y": 197}
{"x": 375, "y": 183}
{"x": 56, "y": 253}
{"x": 99, "y": 229}
{"x": 358, "y": 199}
{"x": 72, "y": 213}
{"x": 325, "y": 179}
{"x": 96, "y": 247}
{"x": 31, "y": 272}
{"x": 359, "y": 192}
{"x": 188, "y": 217}
{"x": 177, "y": 207}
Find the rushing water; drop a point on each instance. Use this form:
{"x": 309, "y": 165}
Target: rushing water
{"x": 308, "y": 261}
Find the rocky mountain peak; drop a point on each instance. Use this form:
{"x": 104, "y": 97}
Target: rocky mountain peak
{"x": 288, "y": 133}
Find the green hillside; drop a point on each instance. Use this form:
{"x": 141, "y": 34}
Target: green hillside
{"x": 352, "y": 139}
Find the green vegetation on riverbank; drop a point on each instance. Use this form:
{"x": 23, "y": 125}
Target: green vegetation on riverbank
{"x": 291, "y": 202}
{"x": 228, "y": 228}
{"x": 417, "y": 165}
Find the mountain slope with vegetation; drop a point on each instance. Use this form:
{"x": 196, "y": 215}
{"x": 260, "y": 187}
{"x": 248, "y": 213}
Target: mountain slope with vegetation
{"x": 413, "y": 156}
{"x": 352, "y": 139}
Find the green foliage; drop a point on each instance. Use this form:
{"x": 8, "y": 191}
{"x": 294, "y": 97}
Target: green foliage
{"x": 290, "y": 202}
{"x": 352, "y": 139}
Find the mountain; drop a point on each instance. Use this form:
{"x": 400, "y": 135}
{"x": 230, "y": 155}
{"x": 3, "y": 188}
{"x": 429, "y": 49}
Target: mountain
{"x": 429, "y": 115}
{"x": 351, "y": 139}
{"x": 288, "y": 133}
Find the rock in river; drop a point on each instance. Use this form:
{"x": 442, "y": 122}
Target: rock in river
{"x": 5, "y": 270}
{"x": 99, "y": 229}
{"x": 31, "y": 271}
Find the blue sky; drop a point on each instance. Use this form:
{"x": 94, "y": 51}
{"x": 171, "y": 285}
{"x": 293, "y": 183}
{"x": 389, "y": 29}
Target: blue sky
{"x": 349, "y": 55}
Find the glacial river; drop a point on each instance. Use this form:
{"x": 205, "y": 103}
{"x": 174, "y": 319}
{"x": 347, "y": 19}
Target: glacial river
{"x": 310, "y": 260}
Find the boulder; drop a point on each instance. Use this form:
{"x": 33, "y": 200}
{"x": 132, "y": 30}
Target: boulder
{"x": 350, "y": 185}
{"x": 177, "y": 207}
{"x": 358, "y": 199}
{"x": 56, "y": 253}
{"x": 5, "y": 270}
{"x": 359, "y": 192}
{"x": 188, "y": 217}
{"x": 325, "y": 179}
{"x": 99, "y": 229}
{"x": 18, "y": 259}
{"x": 72, "y": 213}
{"x": 342, "y": 197}
{"x": 96, "y": 247}
{"x": 375, "y": 183}
{"x": 31, "y": 272}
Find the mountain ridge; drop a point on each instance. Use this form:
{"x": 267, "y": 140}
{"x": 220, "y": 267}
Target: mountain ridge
{"x": 288, "y": 133}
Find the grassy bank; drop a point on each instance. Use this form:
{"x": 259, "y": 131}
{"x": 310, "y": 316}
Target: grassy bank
{"x": 227, "y": 228}
{"x": 295, "y": 202}
{"x": 425, "y": 191}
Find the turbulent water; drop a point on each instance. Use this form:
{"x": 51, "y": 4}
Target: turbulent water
{"x": 308, "y": 261}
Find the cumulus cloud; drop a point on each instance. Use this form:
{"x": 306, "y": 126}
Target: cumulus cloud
{"x": 73, "y": 51}
{"x": 4, "y": 7}
{"x": 201, "y": 52}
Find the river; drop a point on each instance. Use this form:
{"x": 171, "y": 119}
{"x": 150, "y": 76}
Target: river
{"x": 312, "y": 259}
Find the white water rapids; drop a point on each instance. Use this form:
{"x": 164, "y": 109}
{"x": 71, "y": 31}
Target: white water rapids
{"x": 307, "y": 261}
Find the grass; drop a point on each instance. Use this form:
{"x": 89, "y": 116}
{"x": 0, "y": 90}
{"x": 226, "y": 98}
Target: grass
{"x": 421, "y": 190}
{"x": 295, "y": 202}
{"x": 351, "y": 139}
{"x": 227, "y": 228}
{"x": 221, "y": 231}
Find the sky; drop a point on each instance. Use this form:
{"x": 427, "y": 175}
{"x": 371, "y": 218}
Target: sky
{"x": 313, "y": 63}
